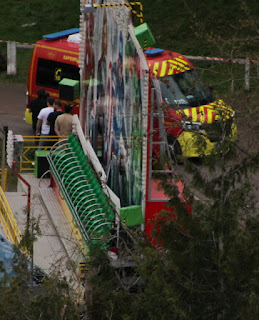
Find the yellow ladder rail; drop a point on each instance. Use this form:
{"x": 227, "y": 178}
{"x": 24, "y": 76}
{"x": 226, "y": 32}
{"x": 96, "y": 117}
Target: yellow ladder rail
{"x": 4, "y": 177}
{"x": 82, "y": 269}
{"x": 8, "y": 221}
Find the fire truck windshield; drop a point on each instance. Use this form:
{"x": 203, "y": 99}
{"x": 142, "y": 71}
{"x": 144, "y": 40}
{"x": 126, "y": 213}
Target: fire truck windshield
{"x": 184, "y": 90}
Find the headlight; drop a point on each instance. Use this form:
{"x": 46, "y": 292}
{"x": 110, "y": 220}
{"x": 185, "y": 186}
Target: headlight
{"x": 191, "y": 126}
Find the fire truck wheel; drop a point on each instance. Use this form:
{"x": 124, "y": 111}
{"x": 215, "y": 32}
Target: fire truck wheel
{"x": 174, "y": 148}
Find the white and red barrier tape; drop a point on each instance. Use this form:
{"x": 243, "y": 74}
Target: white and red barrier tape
{"x": 21, "y": 43}
{"x": 238, "y": 61}
{"x": 197, "y": 58}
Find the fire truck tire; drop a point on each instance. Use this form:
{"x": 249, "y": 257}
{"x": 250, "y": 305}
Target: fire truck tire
{"x": 174, "y": 148}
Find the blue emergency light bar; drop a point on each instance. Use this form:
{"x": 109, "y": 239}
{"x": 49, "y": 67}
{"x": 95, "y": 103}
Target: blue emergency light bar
{"x": 154, "y": 52}
{"x": 61, "y": 34}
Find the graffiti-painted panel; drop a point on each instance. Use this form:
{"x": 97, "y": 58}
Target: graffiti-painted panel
{"x": 112, "y": 106}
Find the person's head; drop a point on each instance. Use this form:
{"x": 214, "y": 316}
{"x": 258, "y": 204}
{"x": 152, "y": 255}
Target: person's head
{"x": 50, "y": 101}
{"x": 68, "y": 108}
{"x": 41, "y": 93}
{"x": 58, "y": 105}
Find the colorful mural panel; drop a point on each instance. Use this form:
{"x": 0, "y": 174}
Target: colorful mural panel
{"x": 113, "y": 94}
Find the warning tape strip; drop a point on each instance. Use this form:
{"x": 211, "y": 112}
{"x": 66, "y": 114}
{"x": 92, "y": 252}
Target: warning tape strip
{"x": 238, "y": 61}
{"x": 22, "y": 43}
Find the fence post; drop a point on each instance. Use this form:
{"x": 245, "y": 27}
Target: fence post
{"x": 247, "y": 74}
{"x": 11, "y": 58}
{"x": 3, "y": 157}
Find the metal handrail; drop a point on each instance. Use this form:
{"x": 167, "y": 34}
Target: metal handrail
{"x": 100, "y": 225}
{"x": 77, "y": 189}
{"x": 73, "y": 162}
{"x": 64, "y": 179}
{"x": 3, "y": 179}
{"x": 8, "y": 221}
{"x": 76, "y": 183}
{"x": 69, "y": 202}
{"x": 79, "y": 208}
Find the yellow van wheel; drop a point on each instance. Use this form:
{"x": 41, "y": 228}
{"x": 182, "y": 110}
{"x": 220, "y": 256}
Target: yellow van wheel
{"x": 174, "y": 148}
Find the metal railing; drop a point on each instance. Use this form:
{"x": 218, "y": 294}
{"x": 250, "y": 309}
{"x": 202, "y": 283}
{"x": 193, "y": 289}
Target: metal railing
{"x": 8, "y": 221}
{"x": 27, "y": 159}
{"x": 3, "y": 177}
{"x": 82, "y": 190}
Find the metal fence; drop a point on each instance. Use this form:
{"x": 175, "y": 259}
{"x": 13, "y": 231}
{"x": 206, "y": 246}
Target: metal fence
{"x": 8, "y": 221}
{"x": 30, "y": 146}
{"x": 3, "y": 178}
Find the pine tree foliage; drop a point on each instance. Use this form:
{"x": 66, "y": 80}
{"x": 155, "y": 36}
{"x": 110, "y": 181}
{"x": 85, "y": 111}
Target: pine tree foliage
{"x": 51, "y": 300}
{"x": 211, "y": 256}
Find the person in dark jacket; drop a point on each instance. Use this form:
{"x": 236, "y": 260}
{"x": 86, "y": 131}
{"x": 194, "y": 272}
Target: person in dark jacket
{"x": 52, "y": 118}
{"x": 36, "y": 105}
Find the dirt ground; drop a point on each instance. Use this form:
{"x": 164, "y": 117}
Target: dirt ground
{"x": 247, "y": 119}
{"x": 12, "y": 107}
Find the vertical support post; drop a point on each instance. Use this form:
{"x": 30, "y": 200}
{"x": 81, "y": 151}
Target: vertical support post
{"x": 82, "y": 269}
{"x": 11, "y": 58}
{"x": 28, "y": 196}
{"x": 247, "y": 74}
{"x": 28, "y": 215}
{"x": 82, "y": 55}
{"x": 3, "y": 158}
{"x": 5, "y": 179}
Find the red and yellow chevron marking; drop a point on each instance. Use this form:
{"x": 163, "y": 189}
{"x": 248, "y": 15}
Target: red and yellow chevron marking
{"x": 203, "y": 114}
{"x": 207, "y": 113}
{"x": 169, "y": 67}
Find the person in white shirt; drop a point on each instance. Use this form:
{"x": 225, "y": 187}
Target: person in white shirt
{"x": 42, "y": 128}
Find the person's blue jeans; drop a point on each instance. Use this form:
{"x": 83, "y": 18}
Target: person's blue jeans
{"x": 43, "y": 141}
